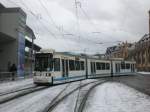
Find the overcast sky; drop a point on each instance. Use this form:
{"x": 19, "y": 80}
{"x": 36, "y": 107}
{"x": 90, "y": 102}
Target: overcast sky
{"x": 59, "y": 25}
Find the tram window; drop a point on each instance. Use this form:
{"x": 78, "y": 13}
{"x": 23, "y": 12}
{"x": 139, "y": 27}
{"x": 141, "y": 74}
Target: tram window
{"x": 71, "y": 65}
{"x": 103, "y": 66}
{"x": 107, "y": 66}
{"x": 127, "y": 66}
{"x": 122, "y": 66}
{"x": 41, "y": 64}
{"x": 56, "y": 64}
{"x": 77, "y": 65}
{"x": 98, "y": 66}
{"x": 82, "y": 65}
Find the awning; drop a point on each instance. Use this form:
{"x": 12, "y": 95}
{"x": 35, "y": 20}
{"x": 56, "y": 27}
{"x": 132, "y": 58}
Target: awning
{"x": 29, "y": 44}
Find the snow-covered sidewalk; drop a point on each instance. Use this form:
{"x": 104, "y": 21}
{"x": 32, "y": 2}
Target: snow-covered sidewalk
{"x": 116, "y": 97}
{"x": 145, "y": 73}
{"x": 13, "y": 85}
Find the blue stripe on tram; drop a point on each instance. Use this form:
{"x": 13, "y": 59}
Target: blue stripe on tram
{"x": 64, "y": 78}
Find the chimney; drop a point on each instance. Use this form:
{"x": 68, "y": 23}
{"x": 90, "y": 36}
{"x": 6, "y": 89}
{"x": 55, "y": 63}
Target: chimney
{"x": 149, "y": 21}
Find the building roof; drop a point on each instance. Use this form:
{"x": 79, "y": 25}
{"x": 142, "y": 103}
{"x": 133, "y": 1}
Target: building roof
{"x": 111, "y": 49}
{"x": 1, "y": 6}
{"x": 29, "y": 32}
{"x": 29, "y": 44}
{"x": 145, "y": 38}
{"x": 12, "y": 10}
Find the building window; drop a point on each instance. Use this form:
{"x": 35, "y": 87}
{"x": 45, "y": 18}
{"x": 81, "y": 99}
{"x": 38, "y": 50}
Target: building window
{"x": 77, "y": 65}
{"x": 56, "y": 64}
{"x": 82, "y": 65}
{"x": 71, "y": 65}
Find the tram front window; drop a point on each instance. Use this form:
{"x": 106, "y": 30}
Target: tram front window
{"x": 43, "y": 63}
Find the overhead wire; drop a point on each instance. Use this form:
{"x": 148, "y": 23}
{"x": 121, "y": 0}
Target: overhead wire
{"x": 34, "y": 15}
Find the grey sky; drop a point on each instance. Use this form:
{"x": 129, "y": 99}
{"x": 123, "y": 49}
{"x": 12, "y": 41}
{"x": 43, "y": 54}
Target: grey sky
{"x": 115, "y": 20}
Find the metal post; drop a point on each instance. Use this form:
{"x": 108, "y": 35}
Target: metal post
{"x": 32, "y": 55}
{"x": 149, "y": 20}
{"x": 86, "y": 66}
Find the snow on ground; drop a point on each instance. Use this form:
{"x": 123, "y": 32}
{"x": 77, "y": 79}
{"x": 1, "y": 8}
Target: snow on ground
{"x": 34, "y": 102}
{"x": 116, "y": 97}
{"x": 144, "y": 73}
{"x": 8, "y": 86}
{"x": 68, "y": 104}
{"x": 37, "y": 101}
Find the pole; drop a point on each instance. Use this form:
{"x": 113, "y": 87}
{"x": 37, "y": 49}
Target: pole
{"x": 149, "y": 20}
{"x": 32, "y": 55}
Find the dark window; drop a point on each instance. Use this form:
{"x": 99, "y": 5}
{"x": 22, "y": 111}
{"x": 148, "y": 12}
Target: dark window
{"x": 77, "y": 65}
{"x": 71, "y": 65}
{"x": 98, "y": 66}
{"x": 43, "y": 64}
{"x": 82, "y": 65}
{"x": 103, "y": 66}
{"x": 107, "y": 66}
{"x": 127, "y": 66}
{"x": 122, "y": 66}
{"x": 56, "y": 64}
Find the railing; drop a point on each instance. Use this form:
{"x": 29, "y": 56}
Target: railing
{"x": 7, "y": 76}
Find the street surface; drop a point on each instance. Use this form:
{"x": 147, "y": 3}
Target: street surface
{"x": 117, "y": 94}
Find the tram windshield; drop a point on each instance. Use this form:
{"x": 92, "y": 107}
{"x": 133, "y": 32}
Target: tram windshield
{"x": 44, "y": 62}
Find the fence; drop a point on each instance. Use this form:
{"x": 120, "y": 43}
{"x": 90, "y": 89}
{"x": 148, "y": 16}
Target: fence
{"x": 7, "y": 76}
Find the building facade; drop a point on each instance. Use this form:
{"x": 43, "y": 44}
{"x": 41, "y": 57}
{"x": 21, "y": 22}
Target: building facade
{"x": 13, "y": 33}
{"x": 120, "y": 51}
{"x": 142, "y": 53}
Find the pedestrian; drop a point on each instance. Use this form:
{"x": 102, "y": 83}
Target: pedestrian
{"x": 13, "y": 70}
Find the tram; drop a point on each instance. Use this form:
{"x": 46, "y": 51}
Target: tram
{"x": 59, "y": 67}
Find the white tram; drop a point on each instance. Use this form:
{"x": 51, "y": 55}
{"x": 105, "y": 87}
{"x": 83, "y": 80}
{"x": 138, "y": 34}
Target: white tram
{"x": 58, "y": 67}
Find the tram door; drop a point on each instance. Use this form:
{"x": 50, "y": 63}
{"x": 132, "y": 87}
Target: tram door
{"x": 64, "y": 68}
{"x": 93, "y": 68}
{"x": 117, "y": 67}
{"x": 132, "y": 68}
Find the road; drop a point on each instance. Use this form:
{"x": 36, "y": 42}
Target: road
{"x": 113, "y": 94}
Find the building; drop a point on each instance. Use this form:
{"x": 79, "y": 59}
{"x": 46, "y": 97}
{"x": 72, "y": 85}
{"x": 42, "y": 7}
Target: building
{"x": 142, "y": 53}
{"x": 120, "y": 51}
{"x": 139, "y": 51}
{"x": 15, "y": 36}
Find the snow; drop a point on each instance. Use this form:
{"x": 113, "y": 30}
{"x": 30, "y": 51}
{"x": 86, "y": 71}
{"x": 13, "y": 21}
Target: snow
{"x": 9, "y": 86}
{"x": 116, "y": 97}
{"x": 144, "y": 73}
{"x": 107, "y": 97}
{"x": 37, "y": 101}
{"x": 68, "y": 104}
{"x": 34, "y": 102}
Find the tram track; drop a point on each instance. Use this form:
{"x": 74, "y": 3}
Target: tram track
{"x": 15, "y": 90}
{"x": 82, "y": 103}
{"x": 8, "y": 96}
{"x": 58, "y": 99}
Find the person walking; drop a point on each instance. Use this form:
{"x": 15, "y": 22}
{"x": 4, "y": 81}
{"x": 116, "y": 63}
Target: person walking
{"x": 13, "y": 69}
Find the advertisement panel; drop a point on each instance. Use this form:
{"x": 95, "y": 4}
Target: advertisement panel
{"x": 21, "y": 54}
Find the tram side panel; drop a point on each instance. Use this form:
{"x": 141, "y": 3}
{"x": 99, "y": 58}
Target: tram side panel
{"x": 98, "y": 68}
{"x": 79, "y": 71}
{"x": 123, "y": 68}
{"x": 103, "y": 68}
